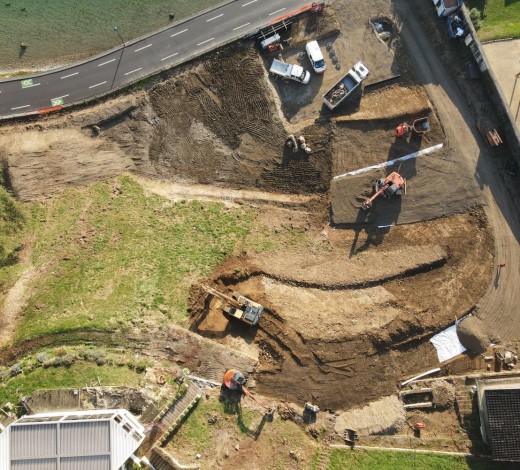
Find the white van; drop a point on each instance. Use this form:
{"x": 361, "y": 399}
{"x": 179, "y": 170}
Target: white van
{"x": 315, "y": 56}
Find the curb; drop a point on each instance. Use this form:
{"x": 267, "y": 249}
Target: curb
{"x": 85, "y": 101}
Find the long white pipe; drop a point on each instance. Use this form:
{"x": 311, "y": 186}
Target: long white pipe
{"x": 391, "y": 162}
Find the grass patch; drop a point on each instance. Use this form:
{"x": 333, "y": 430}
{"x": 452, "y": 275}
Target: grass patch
{"x": 114, "y": 257}
{"x": 76, "y": 376}
{"x": 387, "y": 460}
{"x": 195, "y": 433}
{"x": 231, "y": 427}
{"x": 121, "y": 256}
{"x": 13, "y": 226}
{"x": 500, "y": 18}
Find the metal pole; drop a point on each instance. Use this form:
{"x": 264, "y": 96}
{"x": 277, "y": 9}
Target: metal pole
{"x": 120, "y": 57}
{"x": 117, "y": 31}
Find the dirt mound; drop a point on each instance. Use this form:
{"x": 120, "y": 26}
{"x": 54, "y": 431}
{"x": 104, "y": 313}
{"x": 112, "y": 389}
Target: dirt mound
{"x": 443, "y": 394}
{"x": 45, "y": 158}
{"x": 385, "y": 416}
{"x": 390, "y": 103}
{"x": 325, "y": 315}
{"x": 337, "y": 269}
{"x": 228, "y": 130}
{"x": 436, "y": 186}
{"x": 472, "y": 335}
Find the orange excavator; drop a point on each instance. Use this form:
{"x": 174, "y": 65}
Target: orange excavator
{"x": 419, "y": 126}
{"x": 393, "y": 185}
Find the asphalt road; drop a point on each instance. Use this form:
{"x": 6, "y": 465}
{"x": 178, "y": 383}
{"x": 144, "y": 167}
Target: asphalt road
{"x": 138, "y": 59}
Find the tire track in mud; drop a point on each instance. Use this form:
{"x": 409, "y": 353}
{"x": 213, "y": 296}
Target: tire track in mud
{"x": 499, "y": 306}
{"x": 228, "y": 130}
{"x": 336, "y": 375}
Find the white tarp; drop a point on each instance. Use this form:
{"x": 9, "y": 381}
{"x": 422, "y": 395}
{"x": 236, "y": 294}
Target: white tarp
{"x": 447, "y": 344}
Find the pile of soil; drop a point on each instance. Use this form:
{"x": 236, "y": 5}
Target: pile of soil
{"x": 338, "y": 269}
{"x": 405, "y": 101}
{"x": 228, "y": 131}
{"x": 472, "y": 334}
{"x": 385, "y": 416}
{"x": 443, "y": 394}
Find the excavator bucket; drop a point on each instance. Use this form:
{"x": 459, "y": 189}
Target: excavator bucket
{"x": 421, "y": 126}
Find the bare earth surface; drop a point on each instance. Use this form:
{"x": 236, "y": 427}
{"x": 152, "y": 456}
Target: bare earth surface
{"x": 498, "y": 307}
{"x": 349, "y": 317}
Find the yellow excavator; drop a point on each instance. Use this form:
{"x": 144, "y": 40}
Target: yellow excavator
{"x": 393, "y": 185}
{"x": 238, "y": 306}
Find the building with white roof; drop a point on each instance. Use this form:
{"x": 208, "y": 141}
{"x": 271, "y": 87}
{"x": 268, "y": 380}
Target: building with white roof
{"x": 72, "y": 440}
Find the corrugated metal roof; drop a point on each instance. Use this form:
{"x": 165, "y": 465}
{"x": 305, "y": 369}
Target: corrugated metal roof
{"x": 36, "y": 464}
{"x": 84, "y": 438}
{"x": 36, "y": 440}
{"x": 99, "y": 462}
{"x": 93, "y": 440}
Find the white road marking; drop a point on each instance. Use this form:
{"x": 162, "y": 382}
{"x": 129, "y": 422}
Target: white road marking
{"x": 132, "y": 71}
{"x": 141, "y": 48}
{"x": 71, "y": 75}
{"x": 238, "y": 27}
{"x": 20, "y": 107}
{"x": 277, "y": 11}
{"x": 169, "y": 56}
{"x": 59, "y": 97}
{"x": 204, "y": 42}
{"x": 215, "y": 17}
{"x": 249, "y": 3}
{"x": 180, "y": 32}
{"x": 34, "y": 84}
{"x": 107, "y": 62}
{"x": 97, "y": 84}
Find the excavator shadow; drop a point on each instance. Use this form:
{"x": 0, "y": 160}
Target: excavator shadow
{"x": 375, "y": 224}
{"x": 374, "y": 237}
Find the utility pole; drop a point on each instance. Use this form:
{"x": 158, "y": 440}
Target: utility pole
{"x": 120, "y": 57}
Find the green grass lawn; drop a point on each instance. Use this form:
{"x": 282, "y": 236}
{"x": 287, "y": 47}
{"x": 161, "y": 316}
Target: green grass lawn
{"x": 76, "y": 376}
{"x": 113, "y": 257}
{"x": 13, "y": 225}
{"x": 109, "y": 256}
{"x": 341, "y": 459}
{"x": 276, "y": 438}
{"x": 500, "y": 18}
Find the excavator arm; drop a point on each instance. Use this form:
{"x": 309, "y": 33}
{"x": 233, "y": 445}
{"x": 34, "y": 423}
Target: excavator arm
{"x": 393, "y": 179}
{"x": 368, "y": 203}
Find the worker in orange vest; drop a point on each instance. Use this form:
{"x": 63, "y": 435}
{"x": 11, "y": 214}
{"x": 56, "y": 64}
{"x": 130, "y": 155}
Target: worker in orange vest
{"x": 235, "y": 380}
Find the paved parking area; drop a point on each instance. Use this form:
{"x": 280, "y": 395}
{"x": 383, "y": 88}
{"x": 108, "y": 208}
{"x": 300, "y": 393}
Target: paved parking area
{"x": 504, "y": 58}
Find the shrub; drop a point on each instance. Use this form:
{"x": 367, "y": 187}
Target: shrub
{"x": 476, "y": 17}
{"x": 42, "y": 357}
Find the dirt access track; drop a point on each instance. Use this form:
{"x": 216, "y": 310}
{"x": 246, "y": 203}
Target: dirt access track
{"x": 350, "y": 316}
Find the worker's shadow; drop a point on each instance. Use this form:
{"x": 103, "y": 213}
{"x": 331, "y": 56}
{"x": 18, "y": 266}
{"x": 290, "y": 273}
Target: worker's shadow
{"x": 496, "y": 282}
{"x": 236, "y": 409}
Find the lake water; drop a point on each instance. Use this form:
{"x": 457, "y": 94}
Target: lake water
{"x": 58, "y": 32}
